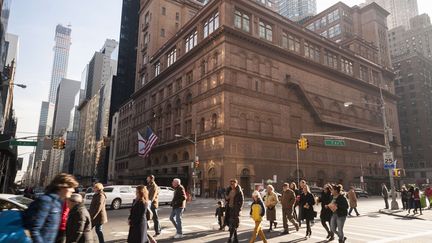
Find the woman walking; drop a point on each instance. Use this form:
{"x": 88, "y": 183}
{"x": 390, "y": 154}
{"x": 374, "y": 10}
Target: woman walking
{"x": 352, "y": 201}
{"x": 97, "y": 210}
{"x": 293, "y": 187}
{"x": 326, "y": 213}
{"x": 78, "y": 225}
{"x": 257, "y": 211}
{"x": 410, "y": 199}
{"x": 306, "y": 206}
{"x": 404, "y": 198}
{"x": 137, "y": 217}
{"x": 271, "y": 200}
{"x": 339, "y": 207}
{"x": 417, "y": 204}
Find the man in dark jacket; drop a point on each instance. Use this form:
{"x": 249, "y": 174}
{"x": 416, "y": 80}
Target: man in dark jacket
{"x": 42, "y": 218}
{"x": 287, "y": 202}
{"x": 97, "y": 210}
{"x": 384, "y": 194}
{"x": 78, "y": 225}
{"x": 153, "y": 190}
{"x": 178, "y": 205}
{"x": 234, "y": 204}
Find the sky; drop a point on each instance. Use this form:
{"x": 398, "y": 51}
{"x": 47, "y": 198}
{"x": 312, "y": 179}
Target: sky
{"x": 92, "y": 21}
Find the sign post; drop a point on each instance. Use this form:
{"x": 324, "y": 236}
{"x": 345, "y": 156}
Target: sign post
{"x": 22, "y": 143}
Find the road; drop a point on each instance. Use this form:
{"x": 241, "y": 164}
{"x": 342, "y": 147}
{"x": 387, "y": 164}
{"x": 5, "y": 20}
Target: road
{"x": 200, "y": 225}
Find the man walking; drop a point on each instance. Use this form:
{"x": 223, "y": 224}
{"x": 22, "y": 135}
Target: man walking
{"x": 178, "y": 205}
{"x": 97, "y": 210}
{"x": 287, "y": 202}
{"x": 235, "y": 199}
{"x": 384, "y": 194}
{"x": 153, "y": 190}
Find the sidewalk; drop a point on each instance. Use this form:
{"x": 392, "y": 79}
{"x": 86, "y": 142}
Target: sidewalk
{"x": 427, "y": 214}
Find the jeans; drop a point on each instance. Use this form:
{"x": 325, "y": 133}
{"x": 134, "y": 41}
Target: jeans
{"x": 156, "y": 223}
{"x": 337, "y": 224}
{"x": 99, "y": 233}
{"x": 351, "y": 209}
{"x": 176, "y": 219}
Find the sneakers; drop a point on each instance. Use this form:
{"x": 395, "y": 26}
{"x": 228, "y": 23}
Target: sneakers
{"x": 178, "y": 236}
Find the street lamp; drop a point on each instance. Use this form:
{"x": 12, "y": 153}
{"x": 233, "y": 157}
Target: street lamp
{"x": 19, "y": 85}
{"x": 394, "y": 204}
{"x": 194, "y": 176}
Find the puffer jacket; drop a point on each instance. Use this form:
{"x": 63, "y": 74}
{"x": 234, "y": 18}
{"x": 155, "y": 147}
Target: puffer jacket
{"x": 42, "y": 218}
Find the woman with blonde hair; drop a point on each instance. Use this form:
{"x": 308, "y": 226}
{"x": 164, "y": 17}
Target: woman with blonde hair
{"x": 97, "y": 210}
{"x": 271, "y": 199}
{"x": 257, "y": 211}
{"x": 307, "y": 201}
{"x": 137, "y": 218}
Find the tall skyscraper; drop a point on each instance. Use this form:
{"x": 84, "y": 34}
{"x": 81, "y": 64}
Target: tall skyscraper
{"x": 297, "y": 10}
{"x": 401, "y": 11}
{"x": 61, "y": 57}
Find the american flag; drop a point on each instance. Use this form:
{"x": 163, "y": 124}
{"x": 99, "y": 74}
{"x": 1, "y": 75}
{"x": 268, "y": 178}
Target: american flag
{"x": 145, "y": 144}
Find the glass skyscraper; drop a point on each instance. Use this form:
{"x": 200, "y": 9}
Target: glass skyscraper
{"x": 297, "y": 10}
{"x": 61, "y": 57}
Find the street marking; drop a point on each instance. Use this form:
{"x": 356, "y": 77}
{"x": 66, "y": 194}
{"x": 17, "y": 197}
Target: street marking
{"x": 405, "y": 237}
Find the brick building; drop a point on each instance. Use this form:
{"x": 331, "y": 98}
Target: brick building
{"x": 414, "y": 87}
{"x": 247, "y": 82}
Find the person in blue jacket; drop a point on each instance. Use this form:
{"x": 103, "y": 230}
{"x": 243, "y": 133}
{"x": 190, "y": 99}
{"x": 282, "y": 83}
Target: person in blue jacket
{"x": 42, "y": 218}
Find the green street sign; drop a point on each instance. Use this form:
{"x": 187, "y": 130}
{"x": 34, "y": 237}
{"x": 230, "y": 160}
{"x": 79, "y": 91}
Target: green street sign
{"x": 22, "y": 143}
{"x": 333, "y": 142}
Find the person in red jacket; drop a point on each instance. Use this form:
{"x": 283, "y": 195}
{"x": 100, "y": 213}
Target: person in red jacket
{"x": 61, "y": 236}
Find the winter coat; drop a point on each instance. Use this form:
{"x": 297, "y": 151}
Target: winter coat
{"x": 238, "y": 198}
{"x": 288, "y": 199}
{"x": 257, "y": 210}
{"x": 307, "y": 213}
{"x": 97, "y": 209}
{"x": 342, "y": 206}
{"x": 153, "y": 191}
{"x": 42, "y": 218}
{"x": 271, "y": 200}
{"x": 138, "y": 222}
{"x": 325, "y": 199}
{"x": 179, "y": 199}
{"x": 78, "y": 226}
{"x": 220, "y": 211}
{"x": 384, "y": 192}
{"x": 352, "y": 199}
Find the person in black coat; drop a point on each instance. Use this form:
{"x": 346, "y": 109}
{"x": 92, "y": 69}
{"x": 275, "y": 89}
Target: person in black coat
{"x": 137, "y": 217}
{"x": 326, "y": 213}
{"x": 307, "y": 201}
{"x": 234, "y": 204}
{"x": 78, "y": 225}
{"x": 339, "y": 207}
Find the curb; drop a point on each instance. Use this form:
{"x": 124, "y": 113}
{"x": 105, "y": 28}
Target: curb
{"x": 401, "y": 216}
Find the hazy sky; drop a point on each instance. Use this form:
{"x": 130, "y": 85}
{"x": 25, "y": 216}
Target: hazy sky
{"x": 92, "y": 22}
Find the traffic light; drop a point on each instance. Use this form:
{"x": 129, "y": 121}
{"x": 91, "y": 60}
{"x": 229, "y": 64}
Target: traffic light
{"x": 55, "y": 143}
{"x": 397, "y": 172}
{"x": 61, "y": 143}
{"x": 303, "y": 143}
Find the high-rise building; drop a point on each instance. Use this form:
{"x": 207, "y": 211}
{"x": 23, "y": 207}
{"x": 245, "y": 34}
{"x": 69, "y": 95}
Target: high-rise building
{"x": 401, "y": 11}
{"x": 94, "y": 115}
{"x": 247, "y": 83}
{"x": 418, "y": 38}
{"x": 413, "y": 85}
{"x": 296, "y": 10}
{"x": 61, "y": 57}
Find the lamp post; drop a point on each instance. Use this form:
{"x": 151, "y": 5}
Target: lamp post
{"x": 19, "y": 85}
{"x": 394, "y": 204}
{"x": 194, "y": 176}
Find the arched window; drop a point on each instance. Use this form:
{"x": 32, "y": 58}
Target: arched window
{"x": 202, "y": 125}
{"x": 174, "y": 158}
{"x": 156, "y": 162}
{"x": 214, "y": 119}
{"x": 189, "y": 103}
{"x": 165, "y": 160}
{"x": 185, "y": 156}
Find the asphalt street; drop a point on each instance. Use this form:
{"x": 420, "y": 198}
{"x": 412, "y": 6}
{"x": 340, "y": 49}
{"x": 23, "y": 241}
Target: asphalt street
{"x": 200, "y": 225}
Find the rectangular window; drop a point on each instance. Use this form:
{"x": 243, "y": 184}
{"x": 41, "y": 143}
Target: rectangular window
{"x": 333, "y": 16}
{"x": 162, "y": 32}
{"x": 312, "y": 51}
{"x": 163, "y": 11}
{"x": 347, "y": 66}
{"x": 265, "y": 31}
{"x": 157, "y": 68}
{"x": 179, "y": 84}
{"x": 191, "y": 40}
{"x": 172, "y": 57}
{"x": 364, "y": 74}
{"x": 147, "y": 18}
{"x": 375, "y": 78}
{"x": 189, "y": 77}
{"x": 170, "y": 89}
{"x": 330, "y": 59}
{"x": 241, "y": 21}
{"x": 211, "y": 24}
{"x": 293, "y": 43}
{"x": 146, "y": 38}
{"x": 334, "y": 31}
{"x": 177, "y": 16}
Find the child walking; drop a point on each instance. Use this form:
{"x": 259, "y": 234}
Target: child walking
{"x": 220, "y": 212}
{"x": 257, "y": 211}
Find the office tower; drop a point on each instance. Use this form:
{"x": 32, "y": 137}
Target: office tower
{"x": 61, "y": 56}
{"x": 296, "y": 10}
{"x": 401, "y": 11}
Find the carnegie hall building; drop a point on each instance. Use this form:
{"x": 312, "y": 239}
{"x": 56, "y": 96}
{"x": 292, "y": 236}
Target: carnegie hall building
{"x": 247, "y": 83}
